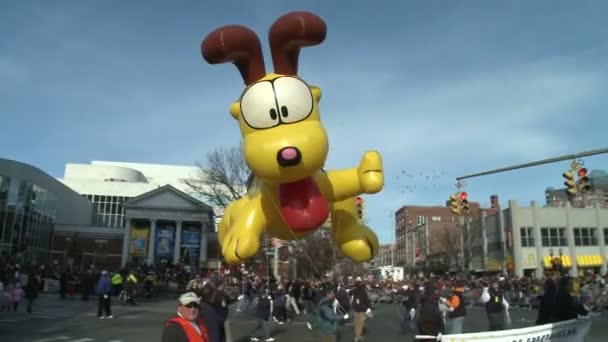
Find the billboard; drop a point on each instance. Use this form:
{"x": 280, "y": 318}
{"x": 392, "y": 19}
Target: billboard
{"x": 165, "y": 241}
{"x": 139, "y": 240}
{"x": 190, "y": 244}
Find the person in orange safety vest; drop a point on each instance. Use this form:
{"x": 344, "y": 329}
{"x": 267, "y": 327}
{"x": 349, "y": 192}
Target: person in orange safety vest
{"x": 186, "y": 327}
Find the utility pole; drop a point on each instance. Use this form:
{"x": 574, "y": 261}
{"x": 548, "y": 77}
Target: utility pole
{"x": 275, "y": 266}
{"x": 536, "y": 163}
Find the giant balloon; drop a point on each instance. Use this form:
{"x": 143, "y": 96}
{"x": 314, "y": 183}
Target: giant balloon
{"x": 285, "y": 145}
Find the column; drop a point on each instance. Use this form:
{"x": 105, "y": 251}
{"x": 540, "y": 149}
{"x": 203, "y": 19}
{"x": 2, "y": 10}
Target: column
{"x": 203, "y": 248}
{"x": 516, "y": 239}
{"x": 126, "y": 242}
{"x": 151, "y": 242}
{"x": 484, "y": 241}
{"x": 570, "y": 238}
{"x": 538, "y": 242}
{"x": 178, "y": 242}
{"x": 601, "y": 238}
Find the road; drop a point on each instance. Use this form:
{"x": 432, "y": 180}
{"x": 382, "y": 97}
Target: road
{"x": 54, "y": 320}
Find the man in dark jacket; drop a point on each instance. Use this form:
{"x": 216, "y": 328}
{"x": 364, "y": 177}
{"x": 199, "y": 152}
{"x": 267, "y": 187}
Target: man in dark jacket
{"x": 103, "y": 290}
{"x": 567, "y": 307}
{"x": 409, "y": 303}
{"x": 220, "y": 301}
{"x": 361, "y": 306}
{"x": 185, "y": 326}
{"x": 429, "y": 320}
{"x": 547, "y": 306}
{"x": 208, "y": 315}
{"x": 279, "y": 296}
{"x": 263, "y": 312}
{"x": 31, "y": 290}
{"x": 496, "y": 305}
{"x": 456, "y": 308}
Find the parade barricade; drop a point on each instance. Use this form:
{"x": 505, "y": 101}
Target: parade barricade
{"x": 572, "y": 331}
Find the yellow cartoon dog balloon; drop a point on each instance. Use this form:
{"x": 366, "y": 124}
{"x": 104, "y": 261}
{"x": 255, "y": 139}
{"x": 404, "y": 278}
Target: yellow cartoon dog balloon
{"x": 285, "y": 146}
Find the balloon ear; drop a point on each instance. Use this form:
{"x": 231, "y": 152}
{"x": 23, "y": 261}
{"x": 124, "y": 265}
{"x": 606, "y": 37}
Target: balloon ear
{"x": 235, "y": 110}
{"x": 316, "y": 93}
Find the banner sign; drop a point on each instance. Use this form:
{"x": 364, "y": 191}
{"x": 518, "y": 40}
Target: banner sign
{"x": 139, "y": 241}
{"x": 568, "y": 331}
{"x": 164, "y": 241}
{"x": 191, "y": 243}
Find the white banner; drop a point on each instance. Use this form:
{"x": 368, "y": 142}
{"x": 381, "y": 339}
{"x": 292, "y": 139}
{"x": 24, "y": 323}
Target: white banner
{"x": 572, "y": 331}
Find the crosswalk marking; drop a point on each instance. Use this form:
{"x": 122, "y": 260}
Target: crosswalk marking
{"x": 58, "y": 338}
{"x": 71, "y": 339}
{"x": 38, "y": 313}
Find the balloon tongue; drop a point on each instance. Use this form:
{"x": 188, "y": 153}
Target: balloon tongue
{"x": 303, "y": 206}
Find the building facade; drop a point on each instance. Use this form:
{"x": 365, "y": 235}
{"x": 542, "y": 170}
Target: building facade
{"x": 431, "y": 237}
{"x": 166, "y": 225}
{"x": 32, "y": 203}
{"x": 536, "y": 234}
{"x": 147, "y": 212}
{"x": 385, "y": 256}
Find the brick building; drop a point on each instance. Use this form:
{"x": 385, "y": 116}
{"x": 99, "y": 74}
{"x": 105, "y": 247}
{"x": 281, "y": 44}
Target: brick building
{"x": 431, "y": 237}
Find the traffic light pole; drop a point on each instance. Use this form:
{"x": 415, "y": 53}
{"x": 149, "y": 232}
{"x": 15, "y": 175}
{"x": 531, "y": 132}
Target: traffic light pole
{"x": 536, "y": 163}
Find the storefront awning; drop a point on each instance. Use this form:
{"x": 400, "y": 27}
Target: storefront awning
{"x": 493, "y": 265}
{"x": 566, "y": 261}
{"x": 589, "y": 260}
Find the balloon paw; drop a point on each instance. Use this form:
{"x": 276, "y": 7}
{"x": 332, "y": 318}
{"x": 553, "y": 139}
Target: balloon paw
{"x": 361, "y": 247}
{"x": 371, "y": 172}
{"x": 239, "y": 246}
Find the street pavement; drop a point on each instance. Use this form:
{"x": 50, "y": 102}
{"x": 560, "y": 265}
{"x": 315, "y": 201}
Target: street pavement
{"x": 55, "y": 320}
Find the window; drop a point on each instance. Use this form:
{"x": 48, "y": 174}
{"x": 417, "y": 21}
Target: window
{"x": 436, "y": 218}
{"x": 606, "y": 235}
{"x": 527, "y": 236}
{"x": 585, "y": 236}
{"x": 420, "y": 220}
{"x": 553, "y": 236}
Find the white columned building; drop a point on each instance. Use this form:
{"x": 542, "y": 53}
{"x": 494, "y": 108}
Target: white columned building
{"x": 166, "y": 225}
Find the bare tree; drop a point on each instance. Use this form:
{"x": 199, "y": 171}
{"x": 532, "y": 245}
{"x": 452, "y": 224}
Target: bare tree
{"x": 224, "y": 178}
{"x": 449, "y": 238}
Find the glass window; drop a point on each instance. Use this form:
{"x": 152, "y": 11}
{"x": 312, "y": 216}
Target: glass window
{"x": 585, "y": 236}
{"x": 527, "y": 237}
{"x": 553, "y": 236}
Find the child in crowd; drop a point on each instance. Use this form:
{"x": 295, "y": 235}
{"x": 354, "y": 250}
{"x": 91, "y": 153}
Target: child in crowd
{"x": 16, "y": 295}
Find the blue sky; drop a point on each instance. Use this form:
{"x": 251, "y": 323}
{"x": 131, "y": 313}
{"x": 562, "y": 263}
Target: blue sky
{"x": 441, "y": 88}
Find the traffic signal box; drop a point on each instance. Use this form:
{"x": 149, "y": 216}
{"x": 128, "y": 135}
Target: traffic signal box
{"x": 459, "y": 203}
{"x": 464, "y": 202}
{"x": 583, "y": 181}
{"x": 360, "y": 202}
{"x": 455, "y": 204}
{"x": 570, "y": 183}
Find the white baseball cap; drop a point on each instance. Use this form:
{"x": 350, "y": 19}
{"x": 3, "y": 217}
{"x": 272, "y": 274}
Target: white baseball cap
{"x": 189, "y": 297}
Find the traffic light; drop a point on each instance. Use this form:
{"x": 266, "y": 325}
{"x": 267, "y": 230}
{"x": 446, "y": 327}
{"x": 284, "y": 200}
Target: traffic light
{"x": 583, "y": 181}
{"x": 455, "y": 203}
{"x": 359, "y": 204}
{"x": 570, "y": 183}
{"x": 464, "y": 203}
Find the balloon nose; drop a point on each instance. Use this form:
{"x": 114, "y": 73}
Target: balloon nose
{"x": 289, "y": 156}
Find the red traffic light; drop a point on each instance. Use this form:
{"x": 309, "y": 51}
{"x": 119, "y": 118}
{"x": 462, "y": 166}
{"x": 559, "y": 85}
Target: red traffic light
{"x": 359, "y": 200}
{"x": 582, "y": 172}
{"x": 463, "y": 196}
